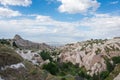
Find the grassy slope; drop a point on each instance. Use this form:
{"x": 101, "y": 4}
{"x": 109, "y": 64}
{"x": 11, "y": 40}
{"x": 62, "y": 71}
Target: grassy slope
{"x": 8, "y": 56}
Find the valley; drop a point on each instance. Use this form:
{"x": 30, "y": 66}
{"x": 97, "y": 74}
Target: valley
{"x": 94, "y": 59}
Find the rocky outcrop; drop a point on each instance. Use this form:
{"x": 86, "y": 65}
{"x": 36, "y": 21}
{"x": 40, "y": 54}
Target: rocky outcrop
{"x": 31, "y": 56}
{"x": 8, "y": 57}
{"x": 91, "y": 54}
{"x": 26, "y": 44}
{"x": 118, "y": 77}
{"x": 16, "y": 67}
{"x": 116, "y": 38}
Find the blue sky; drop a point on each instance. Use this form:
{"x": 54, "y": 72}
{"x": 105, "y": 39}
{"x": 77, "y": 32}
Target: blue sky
{"x": 60, "y": 20}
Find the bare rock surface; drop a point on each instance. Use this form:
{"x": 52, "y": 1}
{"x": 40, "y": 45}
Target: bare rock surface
{"x": 91, "y": 53}
{"x": 26, "y": 44}
{"x": 118, "y": 77}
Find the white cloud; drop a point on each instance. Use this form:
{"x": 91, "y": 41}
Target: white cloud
{"x": 47, "y": 29}
{"x": 5, "y": 12}
{"x": 102, "y": 26}
{"x": 41, "y": 25}
{"x": 16, "y": 2}
{"x": 78, "y": 6}
{"x": 44, "y": 18}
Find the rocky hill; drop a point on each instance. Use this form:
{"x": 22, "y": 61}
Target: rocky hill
{"x": 26, "y": 44}
{"x": 14, "y": 67}
{"x": 94, "y": 59}
{"x": 92, "y": 54}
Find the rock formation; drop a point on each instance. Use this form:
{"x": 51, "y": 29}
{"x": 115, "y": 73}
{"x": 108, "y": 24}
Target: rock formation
{"x": 91, "y": 54}
{"x": 26, "y": 44}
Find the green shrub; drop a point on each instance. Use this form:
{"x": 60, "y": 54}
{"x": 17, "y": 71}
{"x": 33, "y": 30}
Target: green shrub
{"x": 4, "y": 41}
{"x": 63, "y": 79}
{"x": 83, "y": 73}
{"x": 114, "y": 73}
{"x": 116, "y": 60}
{"x": 51, "y": 67}
{"x": 98, "y": 51}
{"x": 110, "y": 66}
{"x": 104, "y": 74}
{"x": 95, "y": 77}
{"x": 45, "y": 55}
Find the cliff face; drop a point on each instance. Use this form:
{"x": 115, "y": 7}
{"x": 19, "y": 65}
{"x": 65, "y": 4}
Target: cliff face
{"x": 26, "y": 44}
{"x": 91, "y": 54}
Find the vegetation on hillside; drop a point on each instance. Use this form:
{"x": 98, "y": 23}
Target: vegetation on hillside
{"x": 55, "y": 69}
{"x": 4, "y": 41}
{"x": 45, "y": 55}
{"x": 64, "y": 68}
{"x": 8, "y": 56}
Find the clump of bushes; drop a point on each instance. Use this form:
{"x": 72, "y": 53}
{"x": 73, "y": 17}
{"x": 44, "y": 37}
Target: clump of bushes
{"x": 98, "y": 51}
{"x": 116, "y": 59}
{"x": 45, "y": 55}
{"x": 4, "y": 41}
{"x": 52, "y": 68}
{"x": 65, "y": 68}
{"x": 104, "y": 74}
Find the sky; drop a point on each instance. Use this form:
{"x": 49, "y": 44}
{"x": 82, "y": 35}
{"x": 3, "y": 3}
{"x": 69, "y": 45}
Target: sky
{"x": 61, "y": 21}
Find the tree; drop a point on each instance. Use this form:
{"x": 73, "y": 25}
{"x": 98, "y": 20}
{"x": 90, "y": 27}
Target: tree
{"x": 51, "y": 67}
{"x": 45, "y": 55}
{"x": 104, "y": 74}
{"x": 116, "y": 60}
{"x": 110, "y": 67}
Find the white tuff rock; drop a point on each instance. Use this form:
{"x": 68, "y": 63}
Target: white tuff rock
{"x": 90, "y": 54}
